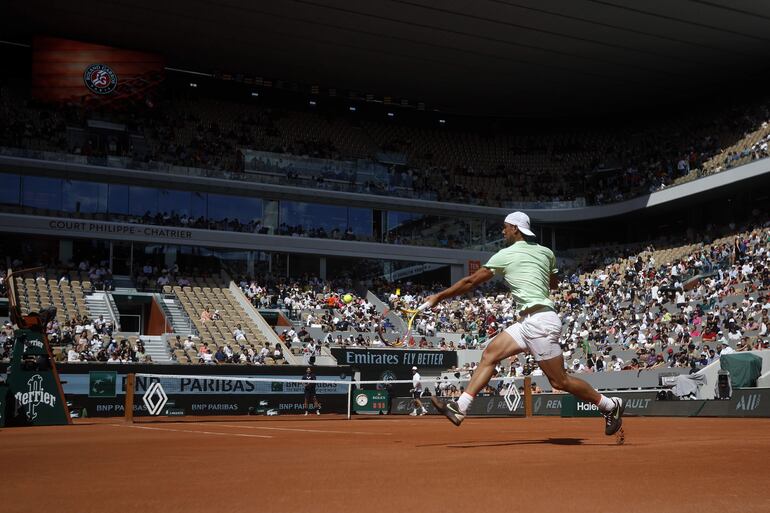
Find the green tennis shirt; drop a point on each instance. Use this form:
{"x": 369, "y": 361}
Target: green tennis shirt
{"x": 527, "y": 268}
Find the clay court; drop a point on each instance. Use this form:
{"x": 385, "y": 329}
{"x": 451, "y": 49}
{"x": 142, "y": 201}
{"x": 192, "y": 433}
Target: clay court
{"x": 328, "y": 464}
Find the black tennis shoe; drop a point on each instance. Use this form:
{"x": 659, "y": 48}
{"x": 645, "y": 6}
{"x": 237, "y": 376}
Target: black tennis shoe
{"x": 448, "y": 409}
{"x": 614, "y": 418}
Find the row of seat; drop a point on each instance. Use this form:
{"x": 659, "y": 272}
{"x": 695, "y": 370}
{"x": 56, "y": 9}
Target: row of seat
{"x": 719, "y": 161}
{"x": 193, "y": 357}
{"x": 36, "y": 294}
{"x": 208, "y": 293}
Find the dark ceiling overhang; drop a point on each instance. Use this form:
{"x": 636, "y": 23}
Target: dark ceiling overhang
{"x": 486, "y": 57}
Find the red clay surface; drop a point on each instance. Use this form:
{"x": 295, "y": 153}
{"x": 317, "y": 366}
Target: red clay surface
{"x": 387, "y": 464}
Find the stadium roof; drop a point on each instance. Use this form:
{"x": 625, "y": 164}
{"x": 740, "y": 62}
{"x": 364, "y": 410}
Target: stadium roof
{"x": 501, "y": 57}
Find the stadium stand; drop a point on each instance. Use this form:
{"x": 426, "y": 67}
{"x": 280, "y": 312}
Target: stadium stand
{"x": 674, "y": 307}
{"x": 482, "y": 166}
{"x": 751, "y": 147}
{"x": 495, "y": 169}
{"x": 646, "y": 310}
{"x": 226, "y": 333}
{"x": 652, "y": 309}
{"x": 77, "y": 334}
{"x": 60, "y": 291}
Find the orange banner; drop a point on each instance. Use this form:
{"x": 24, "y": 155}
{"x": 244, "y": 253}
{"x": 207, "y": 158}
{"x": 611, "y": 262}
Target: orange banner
{"x": 72, "y": 71}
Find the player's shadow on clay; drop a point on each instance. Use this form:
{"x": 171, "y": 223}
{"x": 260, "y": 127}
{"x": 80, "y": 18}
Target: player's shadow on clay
{"x": 473, "y": 445}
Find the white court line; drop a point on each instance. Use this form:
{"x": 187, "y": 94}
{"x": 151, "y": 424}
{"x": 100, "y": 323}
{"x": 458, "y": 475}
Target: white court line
{"x": 305, "y": 430}
{"x": 191, "y": 431}
{"x": 408, "y": 418}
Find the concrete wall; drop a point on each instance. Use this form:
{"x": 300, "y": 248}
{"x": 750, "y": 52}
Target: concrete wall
{"x": 622, "y": 380}
{"x": 67, "y": 227}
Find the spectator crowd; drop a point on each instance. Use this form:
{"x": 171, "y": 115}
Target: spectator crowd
{"x": 631, "y": 309}
{"x": 461, "y": 165}
{"x": 635, "y": 313}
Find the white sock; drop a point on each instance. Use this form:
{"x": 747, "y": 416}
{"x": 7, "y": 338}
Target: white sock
{"x": 464, "y": 402}
{"x": 605, "y": 404}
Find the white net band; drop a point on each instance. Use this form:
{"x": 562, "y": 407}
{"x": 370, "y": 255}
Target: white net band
{"x": 172, "y": 394}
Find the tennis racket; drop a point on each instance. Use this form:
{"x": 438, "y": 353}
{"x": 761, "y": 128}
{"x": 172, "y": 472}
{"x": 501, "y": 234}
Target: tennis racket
{"x": 410, "y": 317}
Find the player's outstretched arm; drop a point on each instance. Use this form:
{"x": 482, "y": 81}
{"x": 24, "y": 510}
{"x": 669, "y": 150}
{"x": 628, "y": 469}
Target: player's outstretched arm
{"x": 460, "y": 287}
{"x": 554, "y": 282}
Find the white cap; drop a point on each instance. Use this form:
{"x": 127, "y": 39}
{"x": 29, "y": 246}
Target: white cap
{"x": 414, "y": 368}
{"x": 520, "y": 220}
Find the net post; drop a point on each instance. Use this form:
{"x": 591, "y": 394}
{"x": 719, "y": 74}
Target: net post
{"x": 350, "y": 395}
{"x": 528, "y": 396}
{"x": 129, "y": 405}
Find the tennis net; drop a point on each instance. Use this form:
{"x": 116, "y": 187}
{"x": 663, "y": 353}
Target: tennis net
{"x": 151, "y": 396}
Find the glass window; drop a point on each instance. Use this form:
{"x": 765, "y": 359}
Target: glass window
{"x": 198, "y": 204}
{"x": 174, "y": 202}
{"x": 85, "y": 197}
{"x": 10, "y": 189}
{"x": 118, "y": 199}
{"x": 223, "y": 207}
{"x": 427, "y": 230}
{"x": 41, "y": 192}
{"x": 316, "y": 220}
{"x": 403, "y": 227}
{"x": 360, "y": 220}
{"x": 399, "y": 220}
{"x": 192, "y": 258}
{"x": 356, "y": 268}
{"x": 142, "y": 200}
{"x": 270, "y": 213}
{"x": 313, "y": 219}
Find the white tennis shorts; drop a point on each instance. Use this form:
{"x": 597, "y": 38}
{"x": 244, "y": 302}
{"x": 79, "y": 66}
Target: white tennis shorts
{"x": 538, "y": 334}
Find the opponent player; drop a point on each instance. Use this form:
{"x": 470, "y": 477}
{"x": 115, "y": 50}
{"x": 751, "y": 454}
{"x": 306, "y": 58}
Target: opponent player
{"x": 530, "y": 271}
{"x": 417, "y": 393}
{"x": 310, "y": 392}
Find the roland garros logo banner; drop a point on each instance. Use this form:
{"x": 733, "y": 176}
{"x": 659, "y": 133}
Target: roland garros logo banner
{"x": 95, "y": 75}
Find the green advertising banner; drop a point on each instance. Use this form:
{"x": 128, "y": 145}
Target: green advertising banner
{"x": 745, "y": 402}
{"x": 35, "y": 393}
{"x": 370, "y": 401}
{"x": 102, "y": 383}
{"x": 572, "y": 407}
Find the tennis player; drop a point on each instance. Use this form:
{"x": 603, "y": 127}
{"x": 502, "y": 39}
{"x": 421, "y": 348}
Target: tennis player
{"x": 417, "y": 393}
{"x": 310, "y": 395}
{"x": 530, "y": 271}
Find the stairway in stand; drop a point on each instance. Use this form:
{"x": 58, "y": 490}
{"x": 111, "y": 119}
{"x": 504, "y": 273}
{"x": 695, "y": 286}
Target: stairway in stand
{"x": 156, "y": 348}
{"x": 97, "y": 306}
{"x": 177, "y": 317}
